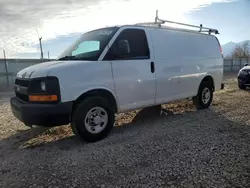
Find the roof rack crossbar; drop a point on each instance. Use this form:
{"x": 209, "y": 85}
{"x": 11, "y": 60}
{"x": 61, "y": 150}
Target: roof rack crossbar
{"x": 158, "y": 22}
{"x": 210, "y": 30}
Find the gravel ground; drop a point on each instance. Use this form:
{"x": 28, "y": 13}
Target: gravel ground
{"x": 179, "y": 148}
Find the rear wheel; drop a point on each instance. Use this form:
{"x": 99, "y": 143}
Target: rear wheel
{"x": 205, "y": 96}
{"x": 92, "y": 119}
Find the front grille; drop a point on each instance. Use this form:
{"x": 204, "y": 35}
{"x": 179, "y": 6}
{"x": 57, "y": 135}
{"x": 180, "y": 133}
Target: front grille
{"x": 23, "y": 85}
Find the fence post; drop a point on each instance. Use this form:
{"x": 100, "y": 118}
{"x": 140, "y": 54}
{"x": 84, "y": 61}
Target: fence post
{"x": 6, "y": 68}
{"x": 232, "y": 65}
{"x": 240, "y": 63}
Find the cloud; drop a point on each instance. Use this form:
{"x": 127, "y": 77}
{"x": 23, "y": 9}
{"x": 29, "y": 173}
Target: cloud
{"x": 53, "y": 18}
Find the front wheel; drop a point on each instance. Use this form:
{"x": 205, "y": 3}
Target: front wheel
{"x": 92, "y": 119}
{"x": 204, "y": 97}
{"x": 241, "y": 86}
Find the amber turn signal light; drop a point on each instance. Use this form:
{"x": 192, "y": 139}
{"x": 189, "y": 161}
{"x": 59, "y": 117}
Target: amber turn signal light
{"x": 43, "y": 98}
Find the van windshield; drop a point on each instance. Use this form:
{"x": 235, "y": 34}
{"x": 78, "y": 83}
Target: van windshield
{"x": 89, "y": 46}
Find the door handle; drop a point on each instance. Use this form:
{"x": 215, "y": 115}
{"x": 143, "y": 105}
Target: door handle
{"x": 152, "y": 66}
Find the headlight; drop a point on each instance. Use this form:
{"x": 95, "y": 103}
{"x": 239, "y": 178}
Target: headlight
{"x": 44, "y": 89}
{"x": 43, "y": 86}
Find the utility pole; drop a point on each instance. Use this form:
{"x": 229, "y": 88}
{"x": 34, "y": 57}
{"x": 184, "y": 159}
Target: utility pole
{"x": 48, "y": 54}
{"x": 40, "y": 42}
{"x": 41, "y": 48}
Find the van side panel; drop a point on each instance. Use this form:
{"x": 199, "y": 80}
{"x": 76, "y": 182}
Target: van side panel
{"x": 182, "y": 60}
{"x": 217, "y": 69}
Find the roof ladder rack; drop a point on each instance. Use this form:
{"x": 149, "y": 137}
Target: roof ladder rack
{"x": 159, "y": 21}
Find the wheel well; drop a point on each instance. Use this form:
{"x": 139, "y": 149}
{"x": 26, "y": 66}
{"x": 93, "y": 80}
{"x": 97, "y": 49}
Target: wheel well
{"x": 208, "y": 79}
{"x": 98, "y": 92}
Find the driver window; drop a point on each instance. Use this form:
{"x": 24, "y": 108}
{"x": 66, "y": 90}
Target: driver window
{"x": 137, "y": 45}
{"x": 86, "y": 46}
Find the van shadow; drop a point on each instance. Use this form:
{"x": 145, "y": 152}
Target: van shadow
{"x": 152, "y": 112}
{"x": 149, "y": 115}
{"x": 37, "y": 137}
{"x": 63, "y": 138}
{"x": 22, "y": 136}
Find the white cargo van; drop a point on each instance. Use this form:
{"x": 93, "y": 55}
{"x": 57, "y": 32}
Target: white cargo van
{"x": 119, "y": 69}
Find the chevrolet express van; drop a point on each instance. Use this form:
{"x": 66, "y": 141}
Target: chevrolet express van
{"x": 119, "y": 69}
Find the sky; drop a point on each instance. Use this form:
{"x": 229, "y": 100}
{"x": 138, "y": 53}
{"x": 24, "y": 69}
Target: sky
{"x": 61, "y": 22}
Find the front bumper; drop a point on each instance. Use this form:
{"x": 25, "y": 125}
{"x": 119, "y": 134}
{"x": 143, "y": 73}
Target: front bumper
{"x": 47, "y": 115}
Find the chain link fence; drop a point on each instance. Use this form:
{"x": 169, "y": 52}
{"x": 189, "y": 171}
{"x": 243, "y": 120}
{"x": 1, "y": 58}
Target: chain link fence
{"x": 234, "y": 65}
{"x": 10, "y": 67}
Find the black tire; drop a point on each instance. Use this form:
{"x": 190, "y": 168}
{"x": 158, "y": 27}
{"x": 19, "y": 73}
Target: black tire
{"x": 241, "y": 86}
{"x": 198, "y": 100}
{"x": 78, "y": 119}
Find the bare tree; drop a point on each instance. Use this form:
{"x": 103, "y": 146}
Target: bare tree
{"x": 241, "y": 51}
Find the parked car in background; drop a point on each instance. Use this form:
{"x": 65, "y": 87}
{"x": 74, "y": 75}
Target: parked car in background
{"x": 119, "y": 69}
{"x": 244, "y": 77}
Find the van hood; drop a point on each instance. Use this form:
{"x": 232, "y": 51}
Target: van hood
{"x": 43, "y": 69}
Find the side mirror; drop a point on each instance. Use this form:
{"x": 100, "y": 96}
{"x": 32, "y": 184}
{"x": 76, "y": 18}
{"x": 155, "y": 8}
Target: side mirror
{"x": 246, "y": 64}
{"x": 123, "y": 48}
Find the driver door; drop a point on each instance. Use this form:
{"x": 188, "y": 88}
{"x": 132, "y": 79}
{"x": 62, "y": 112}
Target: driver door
{"x": 133, "y": 70}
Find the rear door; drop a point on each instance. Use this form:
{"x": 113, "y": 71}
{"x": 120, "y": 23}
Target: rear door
{"x": 134, "y": 75}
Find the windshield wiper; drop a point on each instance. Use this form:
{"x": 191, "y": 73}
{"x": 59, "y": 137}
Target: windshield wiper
{"x": 67, "y": 58}
{"x": 76, "y": 58}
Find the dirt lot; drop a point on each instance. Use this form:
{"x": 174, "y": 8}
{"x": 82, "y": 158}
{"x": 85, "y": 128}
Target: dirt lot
{"x": 183, "y": 148}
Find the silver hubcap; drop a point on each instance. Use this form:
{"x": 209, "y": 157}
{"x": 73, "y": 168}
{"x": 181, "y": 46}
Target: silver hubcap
{"x": 96, "y": 120}
{"x": 206, "y": 95}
